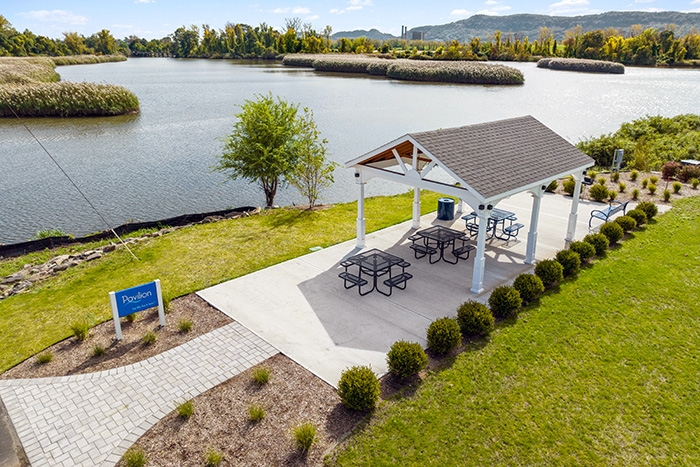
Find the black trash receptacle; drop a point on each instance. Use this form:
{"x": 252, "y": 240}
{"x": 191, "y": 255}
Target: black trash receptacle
{"x": 446, "y": 209}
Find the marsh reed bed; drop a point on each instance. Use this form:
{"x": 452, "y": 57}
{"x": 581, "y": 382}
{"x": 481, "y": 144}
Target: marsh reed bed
{"x": 580, "y": 64}
{"x": 465, "y": 72}
{"x": 31, "y": 87}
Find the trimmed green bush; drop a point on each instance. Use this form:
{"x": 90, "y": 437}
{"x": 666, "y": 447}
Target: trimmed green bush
{"x": 135, "y": 457}
{"x": 626, "y": 222}
{"x": 639, "y": 216}
{"x": 601, "y": 181}
{"x": 677, "y": 187}
{"x": 261, "y": 375}
{"x": 612, "y": 194}
{"x": 44, "y": 357}
{"x": 598, "y": 192}
{"x": 613, "y": 231}
{"x": 81, "y": 329}
{"x": 149, "y": 338}
{"x": 585, "y": 250}
{"x": 599, "y": 241}
{"x": 649, "y": 209}
{"x": 568, "y": 185}
{"x": 443, "y": 335}
{"x": 622, "y": 186}
{"x": 184, "y": 325}
{"x": 645, "y": 183}
{"x": 186, "y": 409}
{"x": 694, "y": 183}
{"x": 633, "y": 175}
{"x": 654, "y": 179}
{"x": 529, "y": 286}
{"x": 615, "y": 177}
{"x": 406, "y": 359}
{"x": 549, "y": 271}
{"x": 652, "y": 188}
{"x": 570, "y": 262}
{"x": 635, "y": 193}
{"x": 358, "y": 388}
{"x": 256, "y": 412}
{"x": 213, "y": 458}
{"x": 667, "y": 195}
{"x": 474, "y": 318}
{"x": 505, "y": 301}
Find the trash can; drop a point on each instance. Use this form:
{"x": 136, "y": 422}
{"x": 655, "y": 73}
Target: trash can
{"x": 446, "y": 209}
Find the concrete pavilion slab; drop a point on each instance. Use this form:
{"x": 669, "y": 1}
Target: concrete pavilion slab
{"x": 301, "y": 307}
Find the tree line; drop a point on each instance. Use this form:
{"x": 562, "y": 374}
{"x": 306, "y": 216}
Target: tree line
{"x": 646, "y": 47}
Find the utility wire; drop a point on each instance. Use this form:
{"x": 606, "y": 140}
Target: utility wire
{"x": 109, "y": 227}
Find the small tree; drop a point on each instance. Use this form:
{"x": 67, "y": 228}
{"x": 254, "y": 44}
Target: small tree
{"x": 263, "y": 145}
{"x": 313, "y": 172}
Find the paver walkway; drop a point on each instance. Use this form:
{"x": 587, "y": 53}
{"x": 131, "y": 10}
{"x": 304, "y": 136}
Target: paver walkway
{"x": 93, "y": 419}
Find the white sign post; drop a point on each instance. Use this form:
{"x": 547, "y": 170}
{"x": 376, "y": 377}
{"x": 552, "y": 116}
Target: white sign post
{"x": 135, "y": 299}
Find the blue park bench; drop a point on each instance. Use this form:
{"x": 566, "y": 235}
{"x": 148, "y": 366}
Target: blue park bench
{"x": 605, "y": 214}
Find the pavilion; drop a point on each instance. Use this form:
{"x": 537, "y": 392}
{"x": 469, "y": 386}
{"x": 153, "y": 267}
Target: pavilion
{"x": 487, "y": 163}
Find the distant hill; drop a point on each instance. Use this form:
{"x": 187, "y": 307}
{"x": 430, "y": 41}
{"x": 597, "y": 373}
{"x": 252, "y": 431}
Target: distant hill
{"x": 371, "y": 34}
{"x": 529, "y": 25}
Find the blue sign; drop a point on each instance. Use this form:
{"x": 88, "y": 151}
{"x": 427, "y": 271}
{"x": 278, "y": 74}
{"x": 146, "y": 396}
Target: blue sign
{"x": 136, "y": 299}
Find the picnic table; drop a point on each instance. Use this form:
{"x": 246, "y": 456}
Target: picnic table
{"x": 373, "y": 264}
{"x": 438, "y": 238}
{"x": 498, "y": 217}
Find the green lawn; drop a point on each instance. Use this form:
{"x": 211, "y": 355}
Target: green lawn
{"x": 185, "y": 261}
{"x": 605, "y": 372}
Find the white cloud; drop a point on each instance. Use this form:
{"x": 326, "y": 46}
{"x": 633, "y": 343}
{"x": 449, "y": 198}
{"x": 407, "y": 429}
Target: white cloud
{"x": 694, "y": 2}
{"x": 491, "y": 2}
{"x": 354, "y": 5}
{"x": 643, "y": 1}
{"x": 495, "y": 11}
{"x": 55, "y": 16}
{"x": 360, "y": 3}
{"x": 313, "y": 18}
{"x": 145, "y": 1}
{"x": 336, "y": 11}
{"x": 461, "y": 13}
{"x": 571, "y": 7}
{"x": 297, "y": 10}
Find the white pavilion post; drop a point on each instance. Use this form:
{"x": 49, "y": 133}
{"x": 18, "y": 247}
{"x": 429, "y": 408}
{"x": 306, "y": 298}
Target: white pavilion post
{"x": 361, "y": 225}
{"x": 460, "y": 206}
{"x": 534, "y": 221}
{"x": 573, "y": 216}
{"x": 416, "y": 208}
{"x": 480, "y": 260}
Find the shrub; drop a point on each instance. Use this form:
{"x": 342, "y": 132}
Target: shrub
{"x": 599, "y": 241}
{"x": 454, "y": 72}
{"x": 598, "y": 192}
{"x": 149, "y": 338}
{"x": 505, "y": 301}
{"x": 626, "y": 222}
{"x": 670, "y": 169}
{"x": 44, "y": 357}
{"x": 601, "y": 181}
{"x": 645, "y": 182}
{"x": 184, "y": 325}
{"x": 186, "y": 409}
{"x": 570, "y": 262}
{"x": 622, "y": 186}
{"x": 256, "y": 412}
{"x": 549, "y": 271}
{"x": 654, "y": 179}
{"x": 639, "y": 216}
{"x": 688, "y": 172}
{"x": 47, "y": 233}
{"x": 135, "y": 457}
{"x": 613, "y": 231}
{"x": 261, "y": 375}
{"x": 132, "y": 317}
{"x": 652, "y": 188}
{"x": 443, "y": 335}
{"x": 581, "y": 64}
{"x": 677, "y": 187}
{"x": 80, "y": 329}
{"x": 213, "y": 458}
{"x": 98, "y": 350}
{"x": 635, "y": 193}
{"x": 667, "y": 195}
{"x": 585, "y": 250}
{"x": 633, "y": 175}
{"x": 694, "y": 183}
{"x": 406, "y": 359}
{"x": 592, "y": 174}
{"x": 568, "y": 185}
{"x": 649, "y": 209}
{"x": 529, "y": 286}
{"x": 474, "y": 318}
{"x": 358, "y": 388}
{"x": 304, "y": 436}
{"x": 552, "y": 187}
{"x": 615, "y": 177}
{"x": 612, "y": 195}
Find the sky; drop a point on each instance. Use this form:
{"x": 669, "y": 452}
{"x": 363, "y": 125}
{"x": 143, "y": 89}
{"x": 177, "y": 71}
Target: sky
{"x": 159, "y": 18}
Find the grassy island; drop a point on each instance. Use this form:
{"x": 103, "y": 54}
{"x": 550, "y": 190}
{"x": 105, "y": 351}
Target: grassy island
{"x": 580, "y": 64}
{"x": 31, "y": 87}
{"x": 465, "y": 72}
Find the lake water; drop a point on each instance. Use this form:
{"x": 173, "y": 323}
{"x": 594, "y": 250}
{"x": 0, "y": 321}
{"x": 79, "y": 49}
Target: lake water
{"x": 158, "y": 164}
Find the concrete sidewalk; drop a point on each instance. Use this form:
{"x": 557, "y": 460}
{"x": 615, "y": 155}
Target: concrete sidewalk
{"x": 302, "y": 308}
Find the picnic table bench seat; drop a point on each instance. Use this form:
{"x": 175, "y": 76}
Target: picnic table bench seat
{"x": 398, "y": 281}
{"x": 422, "y": 250}
{"x": 605, "y": 214}
{"x": 352, "y": 279}
{"x": 463, "y": 251}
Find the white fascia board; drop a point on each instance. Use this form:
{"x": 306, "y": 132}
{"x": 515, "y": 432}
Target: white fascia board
{"x": 374, "y": 152}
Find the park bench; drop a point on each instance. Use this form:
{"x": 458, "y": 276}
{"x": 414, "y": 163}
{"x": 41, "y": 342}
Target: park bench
{"x": 512, "y": 230}
{"x": 399, "y": 281}
{"x": 607, "y": 213}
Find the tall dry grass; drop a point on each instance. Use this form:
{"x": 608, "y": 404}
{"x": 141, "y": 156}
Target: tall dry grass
{"x": 581, "y": 64}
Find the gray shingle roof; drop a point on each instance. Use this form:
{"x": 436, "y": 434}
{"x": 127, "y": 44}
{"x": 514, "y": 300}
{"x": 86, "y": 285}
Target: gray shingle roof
{"x": 497, "y": 157}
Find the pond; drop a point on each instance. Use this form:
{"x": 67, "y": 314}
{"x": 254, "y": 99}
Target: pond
{"x": 158, "y": 164}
